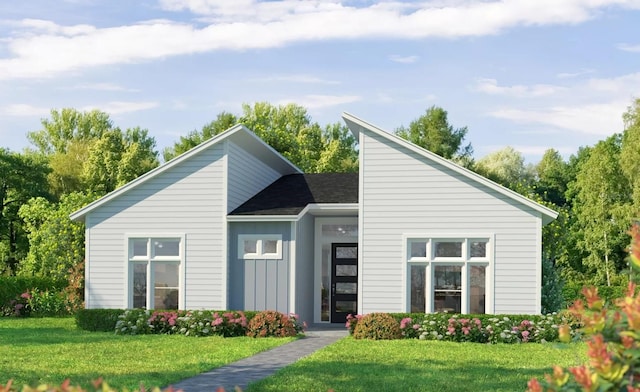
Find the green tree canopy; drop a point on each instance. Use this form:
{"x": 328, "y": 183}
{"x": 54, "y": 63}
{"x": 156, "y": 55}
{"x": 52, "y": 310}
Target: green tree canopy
{"x": 290, "y": 131}
{"x": 22, "y": 176}
{"x": 433, "y": 132}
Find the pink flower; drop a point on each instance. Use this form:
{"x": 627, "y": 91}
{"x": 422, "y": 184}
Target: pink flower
{"x": 525, "y": 336}
{"x": 465, "y": 330}
{"x": 451, "y": 330}
{"x": 416, "y": 326}
{"x": 217, "y": 321}
{"x": 404, "y": 322}
{"x": 172, "y": 322}
{"x": 25, "y": 295}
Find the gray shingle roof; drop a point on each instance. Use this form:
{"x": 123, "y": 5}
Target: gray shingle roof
{"x": 290, "y": 194}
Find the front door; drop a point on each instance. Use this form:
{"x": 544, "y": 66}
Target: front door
{"x": 344, "y": 281}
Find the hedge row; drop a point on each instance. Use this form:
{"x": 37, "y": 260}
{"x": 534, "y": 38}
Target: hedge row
{"x": 105, "y": 320}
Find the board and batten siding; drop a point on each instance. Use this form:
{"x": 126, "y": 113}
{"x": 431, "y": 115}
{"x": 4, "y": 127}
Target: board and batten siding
{"x": 404, "y": 192}
{"x": 247, "y": 176}
{"x": 187, "y": 199}
{"x": 259, "y": 284}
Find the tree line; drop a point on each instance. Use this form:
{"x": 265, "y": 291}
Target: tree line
{"x": 77, "y": 157}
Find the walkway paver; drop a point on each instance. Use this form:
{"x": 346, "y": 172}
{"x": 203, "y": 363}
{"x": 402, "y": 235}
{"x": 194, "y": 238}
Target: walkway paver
{"x": 261, "y": 365}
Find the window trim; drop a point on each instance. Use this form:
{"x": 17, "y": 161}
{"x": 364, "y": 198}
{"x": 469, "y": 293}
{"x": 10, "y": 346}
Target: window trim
{"x": 148, "y": 259}
{"x": 259, "y": 254}
{"x": 466, "y": 261}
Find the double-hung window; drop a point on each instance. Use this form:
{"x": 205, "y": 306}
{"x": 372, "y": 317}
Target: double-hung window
{"x": 154, "y": 272}
{"x": 448, "y": 274}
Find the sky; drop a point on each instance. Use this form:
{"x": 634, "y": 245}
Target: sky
{"x": 530, "y": 74}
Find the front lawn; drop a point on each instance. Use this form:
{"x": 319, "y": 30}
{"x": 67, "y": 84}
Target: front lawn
{"x": 416, "y": 365}
{"x": 49, "y": 350}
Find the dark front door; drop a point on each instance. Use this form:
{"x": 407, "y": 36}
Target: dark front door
{"x": 344, "y": 281}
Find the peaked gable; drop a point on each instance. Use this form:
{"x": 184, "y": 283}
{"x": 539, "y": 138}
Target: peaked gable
{"x": 239, "y": 134}
{"x": 357, "y": 125}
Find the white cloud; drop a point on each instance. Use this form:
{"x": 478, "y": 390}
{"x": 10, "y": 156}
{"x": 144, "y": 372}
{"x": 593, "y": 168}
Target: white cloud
{"x": 321, "y": 101}
{"x": 403, "y": 59}
{"x": 568, "y": 75}
{"x": 119, "y": 107}
{"x": 629, "y": 47}
{"x": 20, "y": 109}
{"x": 38, "y": 48}
{"x": 490, "y": 86}
{"x": 596, "y": 118}
{"x": 296, "y": 79}
{"x": 103, "y": 87}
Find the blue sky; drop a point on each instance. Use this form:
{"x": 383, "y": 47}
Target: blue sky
{"x": 531, "y": 74}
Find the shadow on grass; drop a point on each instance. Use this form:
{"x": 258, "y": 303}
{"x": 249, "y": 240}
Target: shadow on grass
{"x": 50, "y": 335}
{"x": 369, "y": 376}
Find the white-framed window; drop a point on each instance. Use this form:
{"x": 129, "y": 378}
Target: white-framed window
{"x": 154, "y": 265}
{"x": 448, "y": 274}
{"x": 260, "y": 246}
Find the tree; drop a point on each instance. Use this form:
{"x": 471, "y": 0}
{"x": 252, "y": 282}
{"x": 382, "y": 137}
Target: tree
{"x": 290, "y": 131}
{"x": 117, "y": 158}
{"x": 506, "y": 167}
{"x": 602, "y": 209}
{"x": 552, "y": 177}
{"x": 433, "y": 132}
{"x": 629, "y": 153}
{"x": 56, "y": 243}
{"x": 85, "y": 151}
{"x": 68, "y": 126}
{"x": 223, "y": 121}
{"x": 22, "y": 176}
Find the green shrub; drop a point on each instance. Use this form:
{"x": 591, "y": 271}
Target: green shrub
{"x": 271, "y": 323}
{"x": 100, "y": 320}
{"x": 572, "y": 292}
{"x": 377, "y": 326}
{"x": 133, "y": 322}
{"x": 48, "y": 303}
{"x": 12, "y": 287}
{"x": 98, "y": 386}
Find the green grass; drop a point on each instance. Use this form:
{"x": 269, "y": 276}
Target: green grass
{"x": 414, "y": 365}
{"x": 49, "y": 350}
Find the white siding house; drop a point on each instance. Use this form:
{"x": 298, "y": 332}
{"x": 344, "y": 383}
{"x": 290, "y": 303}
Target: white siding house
{"x": 233, "y": 224}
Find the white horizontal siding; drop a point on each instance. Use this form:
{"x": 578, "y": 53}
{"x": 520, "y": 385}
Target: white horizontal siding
{"x": 188, "y": 200}
{"x": 247, "y": 176}
{"x": 404, "y": 192}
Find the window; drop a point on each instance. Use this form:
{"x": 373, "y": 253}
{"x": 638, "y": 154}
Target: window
{"x": 267, "y": 246}
{"x": 154, "y": 271}
{"x": 448, "y": 274}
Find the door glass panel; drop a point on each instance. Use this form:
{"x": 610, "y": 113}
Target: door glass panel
{"x": 346, "y": 270}
{"x": 346, "y": 306}
{"x": 140, "y": 285}
{"x": 418, "y": 275}
{"x": 447, "y": 289}
{"x": 477, "y": 288}
{"x": 346, "y": 288}
{"x": 346, "y": 252}
{"x": 166, "y": 247}
{"x": 166, "y": 285}
{"x": 326, "y": 282}
{"x": 448, "y": 249}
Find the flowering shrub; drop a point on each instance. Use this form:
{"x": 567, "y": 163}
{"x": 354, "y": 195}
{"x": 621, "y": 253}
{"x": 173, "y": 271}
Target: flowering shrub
{"x": 613, "y": 345}
{"x": 377, "y": 326}
{"x": 163, "y": 322}
{"x": 491, "y": 329}
{"x": 272, "y": 323}
{"x": 48, "y": 303}
{"x": 133, "y": 322}
{"x": 408, "y": 328}
{"x": 352, "y": 321}
{"x": 18, "y": 307}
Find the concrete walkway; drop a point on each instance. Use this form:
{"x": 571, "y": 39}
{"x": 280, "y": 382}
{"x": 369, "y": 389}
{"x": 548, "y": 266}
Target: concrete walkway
{"x": 261, "y": 365}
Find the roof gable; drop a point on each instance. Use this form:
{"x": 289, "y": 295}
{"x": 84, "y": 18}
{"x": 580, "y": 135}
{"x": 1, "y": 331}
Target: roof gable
{"x": 356, "y": 125}
{"x": 239, "y": 134}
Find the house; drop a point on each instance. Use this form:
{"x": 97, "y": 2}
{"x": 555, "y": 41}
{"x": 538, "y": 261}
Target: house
{"x": 232, "y": 224}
